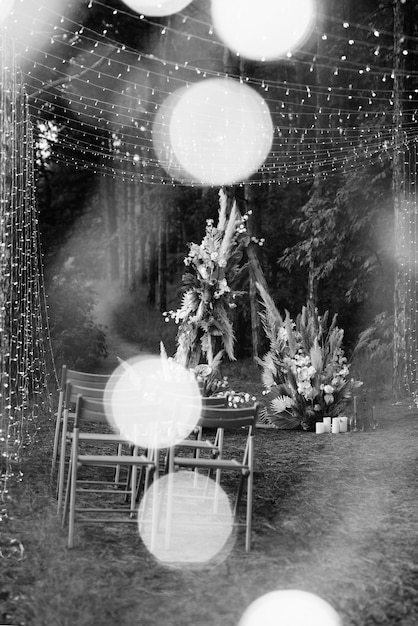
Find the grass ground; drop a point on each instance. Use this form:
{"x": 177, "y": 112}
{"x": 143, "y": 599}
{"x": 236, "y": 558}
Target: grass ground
{"x": 333, "y": 514}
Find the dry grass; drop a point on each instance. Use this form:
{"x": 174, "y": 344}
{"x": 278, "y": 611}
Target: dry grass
{"x": 333, "y": 514}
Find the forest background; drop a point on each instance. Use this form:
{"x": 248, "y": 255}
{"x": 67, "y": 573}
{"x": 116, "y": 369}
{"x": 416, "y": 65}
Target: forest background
{"x": 322, "y": 205}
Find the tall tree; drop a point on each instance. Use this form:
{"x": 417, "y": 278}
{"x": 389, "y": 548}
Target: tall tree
{"x": 404, "y": 310}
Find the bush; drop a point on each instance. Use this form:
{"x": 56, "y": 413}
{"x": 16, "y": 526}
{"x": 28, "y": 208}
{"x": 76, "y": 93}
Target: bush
{"x": 77, "y": 340}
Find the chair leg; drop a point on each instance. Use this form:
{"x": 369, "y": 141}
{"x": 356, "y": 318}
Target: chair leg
{"x": 249, "y": 512}
{"x": 117, "y": 470}
{"x": 61, "y": 470}
{"x": 133, "y": 487}
{"x": 169, "y": 511}
{"x": 67, "y": 496}
{"x": 250, "y": 481}
{"x": 72, "y": 487}
{"x": 57, "y": 433}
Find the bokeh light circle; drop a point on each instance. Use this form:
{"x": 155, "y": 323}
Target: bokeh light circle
{"x": 154, "y": 402}
{"x": 157, "y": 8}
{"x": 220, "y": 131}
{"x": 161, "y": 138}
{"x": 5, "y": 8}
{"x": 290, "y": 607}
{"x": 267, "y": 29}
{"x": 180, "y": 524}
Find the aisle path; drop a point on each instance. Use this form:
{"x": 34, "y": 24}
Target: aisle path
{"x": 108, "y": 297}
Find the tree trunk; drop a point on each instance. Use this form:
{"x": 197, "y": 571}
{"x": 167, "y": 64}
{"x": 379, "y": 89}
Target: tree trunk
{"x": 152, "y": 262}
{"x": 162, "y": 261}
{"x": 400, "y": 216}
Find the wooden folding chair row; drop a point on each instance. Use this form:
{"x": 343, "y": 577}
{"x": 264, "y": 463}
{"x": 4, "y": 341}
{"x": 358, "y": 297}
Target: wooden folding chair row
{"x": 204, "y": 451}
{"x": 81, "y": 379}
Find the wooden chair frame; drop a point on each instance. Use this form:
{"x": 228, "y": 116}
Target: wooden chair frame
{"x": 227, "y": 419}
{"x": 72, "y": 391}
{"x": 90, "y": 410}
{"x": 81, "y": 379}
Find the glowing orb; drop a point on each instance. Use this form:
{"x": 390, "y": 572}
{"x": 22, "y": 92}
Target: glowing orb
{"x": 220, "y": 131}
{"x": 185, "y": 518}
{"x": 263, "y": 30}
{"x": 153, "y": 402}
{"x": 5, "y": 8}
{"x": 157, "y": 8}
{"x": 290, "y": 607}
{"x": 161, "y": 137}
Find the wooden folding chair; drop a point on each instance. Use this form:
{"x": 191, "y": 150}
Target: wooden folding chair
{"x": 92, "y": 411}
{"x": 195, "y": 442}
{"x": 72, "y": 391}
{"x": 81, "y": 379}
{"x": 226, "y": 419}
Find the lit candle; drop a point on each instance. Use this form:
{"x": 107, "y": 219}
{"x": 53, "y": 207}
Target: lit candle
{"x": 335, "y": 425}
{"x": 343, "y": 424}
{"x": 327, "y": 424}
{"x": 319, "y": 428}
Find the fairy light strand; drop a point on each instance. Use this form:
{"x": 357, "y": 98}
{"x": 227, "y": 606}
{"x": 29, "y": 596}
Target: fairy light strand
{"x": 24, "y": 392}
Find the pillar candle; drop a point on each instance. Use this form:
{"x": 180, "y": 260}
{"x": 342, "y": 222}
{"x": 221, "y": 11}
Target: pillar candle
{"x": 319, "y": 428}
{"x": 343, "y": 424}
{"x": 327, "y": 424}
{"x": 335, "y": 425}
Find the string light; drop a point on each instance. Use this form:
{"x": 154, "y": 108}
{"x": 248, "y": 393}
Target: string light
{"x": 23, "y": 355}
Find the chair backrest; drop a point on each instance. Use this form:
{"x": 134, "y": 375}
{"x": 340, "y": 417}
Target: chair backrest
{"x": 90, "y": 409}
{"x": 219, "y": 401}
{"x": 73, "y": 390}
{"x": 97, "y": 410}
{"x": 85, "y": 379}
{"x": 229, "y": 418}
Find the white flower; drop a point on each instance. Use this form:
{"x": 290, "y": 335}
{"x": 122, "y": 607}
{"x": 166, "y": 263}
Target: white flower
{"x": 203, "y": 272}
{"x": 328, "y": 389}
{"x": 329, "y": 398}
{"x": 282, "y": 334}
{"x": 223, "y": 285}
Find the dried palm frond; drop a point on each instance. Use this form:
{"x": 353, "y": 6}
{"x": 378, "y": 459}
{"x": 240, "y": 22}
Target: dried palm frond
{"x": 290, "y": 336}
{"x": 316, "y": 356}
{"x": 271, "y": 319}
{"x": 227, "y": 240}
{"x": 223, "y": 200}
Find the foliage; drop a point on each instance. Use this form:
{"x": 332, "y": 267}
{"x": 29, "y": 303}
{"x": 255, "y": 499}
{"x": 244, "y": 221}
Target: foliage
{"x": 377, "y": 340}
{"x": 373, "y": 355}
{"x": 77, "y": 341}
{"x": 205, "y": 327}
{"x": 305, "y": 372}
{"x": 343, "y": 239}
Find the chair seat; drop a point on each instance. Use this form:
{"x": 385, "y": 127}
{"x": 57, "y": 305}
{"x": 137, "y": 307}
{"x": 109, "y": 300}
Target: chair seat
{"x": 197, "y": 444}
{"x": 103, "y": 459}
{"x": 101, "y": 437}
{"x": 225, "y": 464}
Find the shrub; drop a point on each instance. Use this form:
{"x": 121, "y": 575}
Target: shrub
{"x": 76, "y": 339}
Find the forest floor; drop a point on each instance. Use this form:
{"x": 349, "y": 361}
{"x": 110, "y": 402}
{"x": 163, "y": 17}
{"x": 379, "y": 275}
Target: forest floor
{"x": 336, "y": 515}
